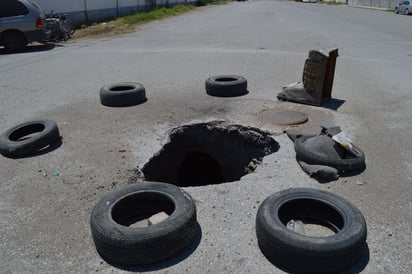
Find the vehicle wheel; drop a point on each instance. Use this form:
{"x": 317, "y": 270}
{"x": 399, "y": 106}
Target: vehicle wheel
{"x": 344, "y": 162}
{"x": 118, "y": 242}
{"x": 122, "y": 94}
{"x": 28, "y": 138}
{"x": 14, "y": 42}
{"x": 297, "y": 252}
{"x": 406, "y": 12}
{"x": 71, "y": 29}
{"x": 226, "y": 86}
{"x": 68, "y": 28}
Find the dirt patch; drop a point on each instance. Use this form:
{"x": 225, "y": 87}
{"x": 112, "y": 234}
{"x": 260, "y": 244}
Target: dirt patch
{"x": 99, "y": 30}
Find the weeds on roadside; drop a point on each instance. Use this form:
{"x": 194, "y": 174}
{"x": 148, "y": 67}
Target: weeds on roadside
{"x": 219, "y": 2}
{"x": 332, "y": 2}
{"x": 128, "y": 24}
{"x": 156, "y": 14}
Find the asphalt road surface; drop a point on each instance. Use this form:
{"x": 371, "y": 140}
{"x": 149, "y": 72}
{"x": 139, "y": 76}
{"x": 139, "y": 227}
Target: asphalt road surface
{"x": 45, "y": 201}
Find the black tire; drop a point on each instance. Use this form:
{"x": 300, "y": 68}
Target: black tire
{"x": 226, "y": 86}
{"x": 17, "y": 142}
{"x": 348, "y": 163}
{"x": 71, "y": 29}
{"x": 122, "y": 94}
{"x": 53, "y": 25}
{"x": 14, "y": 41}
{"x": 119, "y": 243}
{"x": 296, "y": 252}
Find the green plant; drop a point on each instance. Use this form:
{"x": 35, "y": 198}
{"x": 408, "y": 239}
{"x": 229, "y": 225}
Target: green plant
{"x": 128, "y": 24}
{"x": 157, "y": 14}
{"x": 333, "y": 2}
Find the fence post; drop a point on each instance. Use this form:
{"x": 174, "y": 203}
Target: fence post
{"x": 86, "y": 14}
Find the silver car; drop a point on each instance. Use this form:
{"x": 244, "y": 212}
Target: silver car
{"x": 21, "y": 22}
{"x": 404, "y": 7}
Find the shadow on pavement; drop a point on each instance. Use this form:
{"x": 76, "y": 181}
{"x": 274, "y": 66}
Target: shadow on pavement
{"x": 183, "y": 255}
{"x": 42, "y": 151}
{"x": 31, "y": 48}
{"x": 360, "y": 264}
{"x": 357, "y": 267}
{"x": 333, "y": 103}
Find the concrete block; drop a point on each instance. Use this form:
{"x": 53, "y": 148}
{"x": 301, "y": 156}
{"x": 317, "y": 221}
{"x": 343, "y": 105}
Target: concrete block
{"x": 157, "y": 218}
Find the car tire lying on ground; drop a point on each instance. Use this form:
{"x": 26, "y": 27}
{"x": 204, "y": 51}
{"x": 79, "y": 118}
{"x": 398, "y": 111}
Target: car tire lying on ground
{"x": 122, "y": 94}
{"x": 28, "y": 138}
{"x": 226, "y": 86}
{"x": 113, "y": 217}
{"x": 297, "y": 252}
{"x": 323, "y": 150}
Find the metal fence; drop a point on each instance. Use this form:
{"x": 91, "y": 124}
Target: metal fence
{"x": 385, "y": 4}
{"x": 89, "y": 11}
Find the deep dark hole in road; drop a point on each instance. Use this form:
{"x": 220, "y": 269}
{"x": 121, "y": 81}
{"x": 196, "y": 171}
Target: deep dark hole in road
{"x": 199, "y": 169}
{"x": 209, "y": 153}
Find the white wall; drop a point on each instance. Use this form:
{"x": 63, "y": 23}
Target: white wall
{"x": 80, "y": 5}
{"x": 88, "y": 11}
{"x": 61, "y": 5}
{"x": 101, "y": 4}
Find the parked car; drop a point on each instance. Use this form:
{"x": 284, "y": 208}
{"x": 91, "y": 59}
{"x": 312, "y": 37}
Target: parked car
{"x": 21, "y": 22}
{"x": 404, "y": 7}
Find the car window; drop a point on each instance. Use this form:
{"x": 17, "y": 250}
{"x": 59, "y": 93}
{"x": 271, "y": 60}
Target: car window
{"x": 34, "y": 4}
{"x": 10, "y": 8}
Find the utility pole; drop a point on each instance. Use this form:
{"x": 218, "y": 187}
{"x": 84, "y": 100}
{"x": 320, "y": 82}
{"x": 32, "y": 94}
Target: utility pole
{"x": 86, "y": 15}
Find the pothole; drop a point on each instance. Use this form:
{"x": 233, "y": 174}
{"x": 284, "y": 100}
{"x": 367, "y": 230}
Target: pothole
{"x": 209, "y": 153}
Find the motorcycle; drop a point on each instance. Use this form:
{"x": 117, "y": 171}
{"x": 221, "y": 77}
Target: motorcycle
{"x": 61, "y": 28}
